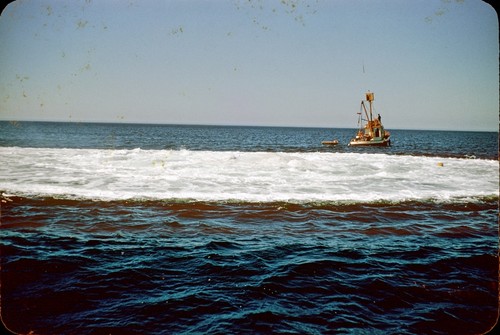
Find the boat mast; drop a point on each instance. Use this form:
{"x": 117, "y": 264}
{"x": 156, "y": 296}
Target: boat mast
{"x": 370, "y": 98}
{"x": 366, "y": 112}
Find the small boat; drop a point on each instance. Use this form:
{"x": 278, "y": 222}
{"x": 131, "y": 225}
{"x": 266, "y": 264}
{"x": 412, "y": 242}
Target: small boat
{"x": 371, "y": 132}
{"x": 333, "y": 142}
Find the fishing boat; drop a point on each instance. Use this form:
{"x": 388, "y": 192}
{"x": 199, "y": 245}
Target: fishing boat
{"x": 371, "y": 132}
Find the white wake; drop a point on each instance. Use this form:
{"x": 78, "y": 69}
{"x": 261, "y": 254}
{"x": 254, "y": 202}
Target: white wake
{"x": 241, "y": 176}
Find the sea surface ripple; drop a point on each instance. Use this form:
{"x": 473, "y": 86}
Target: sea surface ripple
{"x": 165, "y": 229}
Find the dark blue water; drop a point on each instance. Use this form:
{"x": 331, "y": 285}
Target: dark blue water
{"x": 215, "y": 138}
{"x": 194, "y": 267}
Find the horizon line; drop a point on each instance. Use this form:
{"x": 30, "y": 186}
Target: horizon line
{"x": 235, "y": 125}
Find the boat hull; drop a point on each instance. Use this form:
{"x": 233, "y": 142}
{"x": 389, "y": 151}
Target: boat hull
{"x": 370, "y": 143}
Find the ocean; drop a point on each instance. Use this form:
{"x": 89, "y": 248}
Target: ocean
{"x": 177, "y": 229}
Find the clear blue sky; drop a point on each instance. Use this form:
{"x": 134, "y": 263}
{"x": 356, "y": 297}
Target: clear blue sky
{"x": 433, "y": 64}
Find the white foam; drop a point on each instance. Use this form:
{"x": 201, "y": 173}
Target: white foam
{"x": 243, "y": 176}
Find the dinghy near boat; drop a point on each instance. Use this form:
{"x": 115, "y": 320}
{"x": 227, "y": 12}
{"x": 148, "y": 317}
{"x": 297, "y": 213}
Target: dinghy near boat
{"x": 332, "y": 142}
{"x": 371, "y": 132}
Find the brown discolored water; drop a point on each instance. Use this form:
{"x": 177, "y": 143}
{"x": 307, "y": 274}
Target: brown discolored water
{"x": 130, "y": 267}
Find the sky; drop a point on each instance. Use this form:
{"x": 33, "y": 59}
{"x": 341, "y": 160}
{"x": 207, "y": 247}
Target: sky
{"x": 432, "y": 64}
